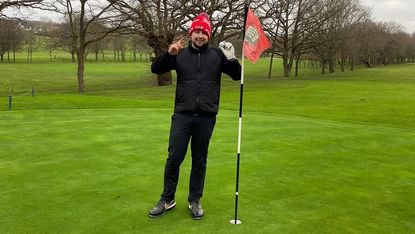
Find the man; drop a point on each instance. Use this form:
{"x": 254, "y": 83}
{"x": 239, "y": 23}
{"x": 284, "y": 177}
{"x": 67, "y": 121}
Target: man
{"x": 199, "y": 68}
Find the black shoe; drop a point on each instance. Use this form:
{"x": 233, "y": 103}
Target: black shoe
{"x": 196, "y": 209}
{"x": 161, "y": 208}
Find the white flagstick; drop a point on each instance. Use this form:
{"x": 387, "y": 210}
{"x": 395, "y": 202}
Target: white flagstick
{"x": 240, "y": 109}
{"x": 235, "y": 220}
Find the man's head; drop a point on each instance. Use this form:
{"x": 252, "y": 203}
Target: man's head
{"x": 200, "y": 30}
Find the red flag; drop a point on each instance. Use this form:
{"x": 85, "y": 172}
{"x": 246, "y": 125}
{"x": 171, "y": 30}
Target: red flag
{"x": 255, "y": 41}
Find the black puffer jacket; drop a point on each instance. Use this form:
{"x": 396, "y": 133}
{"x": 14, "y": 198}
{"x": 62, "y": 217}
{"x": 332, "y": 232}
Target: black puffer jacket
{"x": 198, "y": 77}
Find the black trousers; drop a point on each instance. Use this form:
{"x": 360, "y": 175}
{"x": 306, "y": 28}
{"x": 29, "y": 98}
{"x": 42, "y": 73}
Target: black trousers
{"x": 198, "y": 129}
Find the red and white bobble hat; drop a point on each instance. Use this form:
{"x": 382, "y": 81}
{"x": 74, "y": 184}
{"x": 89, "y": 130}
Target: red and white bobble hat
{"x": 201, "y": 22}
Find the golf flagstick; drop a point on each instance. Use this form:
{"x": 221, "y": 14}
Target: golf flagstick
{"x": 238, "y": 155}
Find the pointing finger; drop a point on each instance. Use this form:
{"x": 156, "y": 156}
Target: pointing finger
{"x": 182, "y": 40}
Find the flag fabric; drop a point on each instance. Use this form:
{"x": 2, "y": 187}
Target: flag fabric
{"x": 256, "y": 41}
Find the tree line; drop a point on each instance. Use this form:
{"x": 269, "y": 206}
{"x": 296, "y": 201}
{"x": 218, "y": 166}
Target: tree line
{"x": 328, "y": 34}
{"x": 17, "y": 35}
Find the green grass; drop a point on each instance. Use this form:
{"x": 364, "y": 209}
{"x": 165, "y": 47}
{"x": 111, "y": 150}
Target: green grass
{"x": 59, "y": 56}
{"x": 320, "y": 154}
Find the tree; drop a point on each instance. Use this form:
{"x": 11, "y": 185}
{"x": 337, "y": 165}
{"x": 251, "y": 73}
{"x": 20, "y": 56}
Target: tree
{"x": 382, "y": 43}
{"x": 82, "y": 15}
{"x": 46, "y": 33}
{"x": 119, "y": 46}
{"x": 61, "y": 37}
{"x": 19, "y": 3}
{"x": 396, "y": 43}
{"x": 410, "y": 50}
{"x": 16, "y": 40}
{"x": 30, "y": 40}
{"x": 98, "y": 46}
{"x": 292, "y": 24}
{"x": 351, "y": 15}
{"x": 335, "y": 34}
{"x": 139, "y": 45}
{"x": 11, "y": 37}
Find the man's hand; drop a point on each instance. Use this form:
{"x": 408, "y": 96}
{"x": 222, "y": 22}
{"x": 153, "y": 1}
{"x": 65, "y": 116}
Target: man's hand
{"x": 228, "y": 49}
{"x": 176, "y": 46}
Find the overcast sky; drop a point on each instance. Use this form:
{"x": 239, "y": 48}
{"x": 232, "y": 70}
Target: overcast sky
{"x": 400, "y": 11}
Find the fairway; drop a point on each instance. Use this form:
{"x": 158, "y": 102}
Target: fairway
{"x": 320, "y": 154}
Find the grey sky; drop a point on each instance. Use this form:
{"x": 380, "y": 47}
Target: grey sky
{"x": 400, "y": 11}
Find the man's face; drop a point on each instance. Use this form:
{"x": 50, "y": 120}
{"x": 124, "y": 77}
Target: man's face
{"x": 199, "y": 38}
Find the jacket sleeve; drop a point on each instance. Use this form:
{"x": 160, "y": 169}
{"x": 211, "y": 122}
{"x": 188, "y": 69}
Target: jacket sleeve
{"x": 164, "y": 63}
{"x": 231, "y": 68}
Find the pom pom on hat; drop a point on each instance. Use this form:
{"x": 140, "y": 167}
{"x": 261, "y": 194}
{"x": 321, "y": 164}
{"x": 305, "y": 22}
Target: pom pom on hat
{"x": 201, "y": 22}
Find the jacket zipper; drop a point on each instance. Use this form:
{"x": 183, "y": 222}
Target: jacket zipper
{"x": 198, "y": 84}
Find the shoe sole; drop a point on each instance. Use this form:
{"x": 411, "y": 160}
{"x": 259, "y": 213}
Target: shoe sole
{"x": 171, "y": 206}
{"x": 193, "y": 216}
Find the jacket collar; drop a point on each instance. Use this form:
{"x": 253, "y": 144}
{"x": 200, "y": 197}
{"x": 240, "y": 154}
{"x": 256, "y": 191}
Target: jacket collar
{"x": 200, "y": 50}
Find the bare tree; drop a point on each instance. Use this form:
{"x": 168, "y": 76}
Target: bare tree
{"x": 11, "y": 37}
{"x": 292, "y": 25}
{"x": 139, "y": 45}
{"x": 61, "y": 37}
{"x": 82, "y": 15}
{"x": 97, "y": 48}
{"x": 18, "y": 4}
{"x": 410, "y": 50}
{"x": 119, "y": 46}
{"x": 333, "y": 35}
{"x": 46, "y": 30}
{"x": 16, "y": 36}
{"x": 30, "y": 41}
{"x": 396, "y": 43}
{"x": 382, "y": 43}
{"x": 352, "y": 13}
